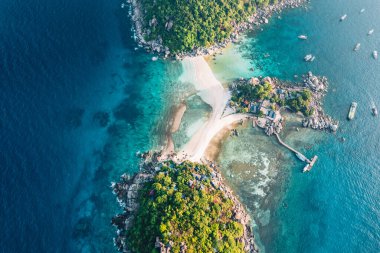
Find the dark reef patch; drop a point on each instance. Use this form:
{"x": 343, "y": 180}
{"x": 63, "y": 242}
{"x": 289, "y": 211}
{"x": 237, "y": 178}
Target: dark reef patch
{"x": 82, "y": 228}
{"x": 101, "y": 118}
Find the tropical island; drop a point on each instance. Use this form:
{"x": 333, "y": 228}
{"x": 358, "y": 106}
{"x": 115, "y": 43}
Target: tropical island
{"x": 178, "y": 201}
{"x": 186, "y": 207}
{"x": 198, "y": 27}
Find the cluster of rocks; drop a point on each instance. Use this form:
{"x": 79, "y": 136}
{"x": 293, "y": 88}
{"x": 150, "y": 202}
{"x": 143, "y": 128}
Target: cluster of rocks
{"x": 261, "y": 16}
{"x": 273, "y": 128}
{"x": 166, "y": 248}
{"x": 315, "y": 83}
{"x": 321, "y": 122}
{"x": 126, "y": 192}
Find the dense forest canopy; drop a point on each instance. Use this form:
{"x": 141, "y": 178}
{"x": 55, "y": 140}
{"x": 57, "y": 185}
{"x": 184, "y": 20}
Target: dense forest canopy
{"x": 187, "y": 24}
{"x": 181, "y": 206}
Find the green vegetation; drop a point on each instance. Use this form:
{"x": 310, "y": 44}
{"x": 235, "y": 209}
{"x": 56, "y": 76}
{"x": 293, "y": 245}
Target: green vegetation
{"x": 182, "y": 205}
{"x": 187, "y": 24}
{"x": 301, "y": 102}
{"x": 243, "y": 93}
{"x": 248, "y": 92}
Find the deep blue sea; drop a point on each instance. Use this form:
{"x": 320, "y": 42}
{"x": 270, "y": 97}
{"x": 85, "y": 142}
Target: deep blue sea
{"x": 77, "y": 101}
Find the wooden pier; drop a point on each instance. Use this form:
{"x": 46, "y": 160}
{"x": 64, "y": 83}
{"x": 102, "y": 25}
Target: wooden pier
{"x": 300, "y": 156}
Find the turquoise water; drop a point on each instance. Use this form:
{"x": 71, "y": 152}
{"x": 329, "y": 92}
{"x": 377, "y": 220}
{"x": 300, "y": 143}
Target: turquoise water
{"x": 78, "y": 101}
{"x": 336, "y": 207}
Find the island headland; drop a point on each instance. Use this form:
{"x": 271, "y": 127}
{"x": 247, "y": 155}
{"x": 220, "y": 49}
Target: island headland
{"x": 186, "y": 207}
{"x": 194, "y": 28}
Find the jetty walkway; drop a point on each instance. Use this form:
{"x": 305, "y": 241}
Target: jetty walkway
{"x": 300, "y": 156}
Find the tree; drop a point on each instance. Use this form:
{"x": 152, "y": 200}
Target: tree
{"x": 196, "y": 213}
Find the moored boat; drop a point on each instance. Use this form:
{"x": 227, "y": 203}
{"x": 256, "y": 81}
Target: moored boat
{"x": 302, "y": 37}
{"x": 374, "y": 111}
{"x": 352, "y": 111}
{"x": 343, "y": 17}
{"x": 309, "y": 57}
{"x": 362, "y": 10}
{"x": 370, "y": 32}
{"x": 374, "y": 54}
{"x": 301, "y": 157}
{"x": 357, "y": 47}
{"x": 307, "y": 168}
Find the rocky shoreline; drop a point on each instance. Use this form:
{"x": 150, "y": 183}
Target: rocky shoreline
{"x": 316, "y": 85}
{"x": 127, "y": 193}
{"x": 319, "y": 120}
{"x": 261, "y": 16}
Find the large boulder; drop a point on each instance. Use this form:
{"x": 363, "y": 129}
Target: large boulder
{"x": 254, "y": 81}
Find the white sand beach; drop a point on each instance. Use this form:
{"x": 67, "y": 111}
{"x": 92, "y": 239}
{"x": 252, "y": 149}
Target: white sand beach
{"x": 199, "y": 73}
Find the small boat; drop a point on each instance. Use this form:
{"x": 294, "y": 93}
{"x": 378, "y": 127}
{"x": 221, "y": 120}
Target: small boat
{"x": 154, "y": 58}
{"x": 374, "y": 111}
{"x": 357, "y": 47}
{"x": 302, "y": 37}
{"x": 370, "y": 32}
{"x": 312, "y": 58}
{"x": 362, "y": 10}
{"x": 301, "y": 157}
{"x": 307, "y": 168}
{"x": 352, "y": 111}
{"x": 343, "y": 17}
{"x": 308, "y": 57}
{"x": 374, "y": 54}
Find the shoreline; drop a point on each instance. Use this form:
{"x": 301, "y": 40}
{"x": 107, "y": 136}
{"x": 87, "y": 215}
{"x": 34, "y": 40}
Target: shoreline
{"x": 207, "y": 141}
{"x": 198, "y": 72}
{"x": 127, "y": 194}
{"x": 213, "y": 150}
{"x": 259, "y": 17}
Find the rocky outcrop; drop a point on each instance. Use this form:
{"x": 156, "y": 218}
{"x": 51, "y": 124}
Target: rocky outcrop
{"x": 127, "y": 190}
{"x": 261, "y": 16}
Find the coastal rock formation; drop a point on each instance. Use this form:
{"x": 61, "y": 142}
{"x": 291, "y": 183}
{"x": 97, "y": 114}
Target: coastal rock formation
{"x": 248, "y": 19}
{"x": 225, "y": 212}
{"x": 265, "y": 97}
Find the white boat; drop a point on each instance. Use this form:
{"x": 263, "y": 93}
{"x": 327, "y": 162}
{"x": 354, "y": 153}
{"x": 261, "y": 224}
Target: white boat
{"x": 343, "y": 17}
{"x": 370, "y": 32}
{"x": 307, "y": 168}
{"x": 374, "y": 111}
{"x": 357, "y": 47}
{"x": 308, "y": 57}
{"x": 312, "y": 58}
{"x": 374, "y": 54}
{"x": 362, "y": 10}
{"x": 302, "y": 37}
{"x": 352, "y": 111}
{"x": 301, "y": 157}
{"x": 154, "y": 58}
